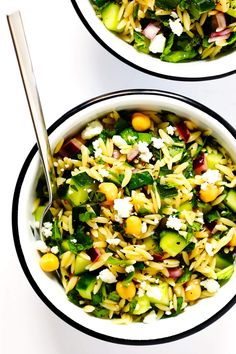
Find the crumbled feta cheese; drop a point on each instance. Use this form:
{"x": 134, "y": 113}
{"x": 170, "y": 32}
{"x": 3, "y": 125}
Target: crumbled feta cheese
{"x": 132, "y": 138}
{"x": 140, "y": 292}
{"x": 129, "y": 269}
{"x": 55, "y": 249}
{"x": 46, "y": 232}
{"x": 104, "y": 173}
{"x": 168, "y": 313}
{"x": 174, "y": 223}
{"x": 157, "y": 44}
{"x": 144, "y": 227}
{"x": 107, "y": 276}
{"x": 47, "y": 225}
{"x": 118, "y": 141}
{"x": 150, "y": 318}
{"x": 123, "y": 207}
{"x": 73, "y": 240}
{"x": 145, "y": 153}
{"x": 157, "y": 143}
{"x": 211, "y": 176}
{"x": 113, "y": 241}
{"x": 41, "y": 246}
{"x": 176, "y": 26}
{"x": 93, "y": 129}
{"x": 211, "y": 285}
{"x": 97, "y": 149}
{"x": 170, "y": 130}
{"x": 204, "y": 185}
{"x": 208, "y": 248}
{"x": 154, "y": 292}
{"x": 143, "y": 285}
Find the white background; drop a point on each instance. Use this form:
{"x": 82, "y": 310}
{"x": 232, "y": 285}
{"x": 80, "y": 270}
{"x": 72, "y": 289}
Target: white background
{"x": 71, "y": 67}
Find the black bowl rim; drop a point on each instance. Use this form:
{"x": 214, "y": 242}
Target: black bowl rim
{"x": 15, "y": 230}
{"x": 137, "y": 67}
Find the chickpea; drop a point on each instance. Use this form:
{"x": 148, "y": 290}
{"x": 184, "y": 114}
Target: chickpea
{"x": 49, "y": 262}
{"x": 209, "y": 193}
{"x": 126, "y": 292}
{"x": 133, "y": 225}
{"x": 232, "y": 242}
{"x": 192, "y": 290}
{"x": 140, "y": 121}
{"x": 109, "y": 189}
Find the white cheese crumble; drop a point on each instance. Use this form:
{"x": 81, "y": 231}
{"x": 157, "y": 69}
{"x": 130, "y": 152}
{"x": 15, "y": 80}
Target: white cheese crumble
{"x": 41, "y": 246}
{"x": 210, "y": 285}
{"x": 170, "y": 130}
{"x": 123, "y": 207}
{"x": 55, "y": 249}
{"x": 211, "y": 176}
{"x": 113, "y": 241}
{"x": 176, "y": 26}
{"x": 208, "y": 248}
{"x": 150, "y": 318}
{"x": 144, "y": 227}
{"x": 145, "y": 153}
{"x": 129, "y": 269}
{"x": 104, "y": 173}
{"x": 107, "y": 276}
{"x": 174, "y": 14}
{"x": 93, "y": 129}
{"x": 118, "y": 141}
{"x": 97, "y": 149}
{"x": 158, "y": 143}
{"x": 47, "y": 229}
{"x": 157, "y": 44}
{"x": 140, "y": 292}
{"x": 174, "y": 223}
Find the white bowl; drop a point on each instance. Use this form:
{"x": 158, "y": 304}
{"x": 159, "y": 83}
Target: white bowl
{"x": 49, "y": 290}
{"x": 189, "y": 71}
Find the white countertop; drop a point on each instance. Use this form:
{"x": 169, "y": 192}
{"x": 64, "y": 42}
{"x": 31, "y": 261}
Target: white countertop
{"x": 71, "y": 67}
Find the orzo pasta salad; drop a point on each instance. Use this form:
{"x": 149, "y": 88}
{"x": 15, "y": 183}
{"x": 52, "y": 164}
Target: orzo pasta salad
{"x": 172, "y": 30}
{"x": 144, "y": 223}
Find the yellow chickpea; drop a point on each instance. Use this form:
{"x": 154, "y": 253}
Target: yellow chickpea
{"x": 140, "y": 121}
{"x": 126, "y": 292}
{"x": 109, "y": 189}
{"x": 209, "y": 193}
{"x": 192, "y": 290}
{"x": 133, "y": 225}
{"x": 49, "y": 262}
{"x": 232, "y": 242}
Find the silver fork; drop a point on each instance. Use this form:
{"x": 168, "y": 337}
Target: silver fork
{"x": 29, "y": 82}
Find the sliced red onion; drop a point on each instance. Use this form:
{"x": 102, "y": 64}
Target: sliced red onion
{"x": 132, "y": 154}
{"x": 94, "y": 254}
{"x": 175, "y": 273}
{"x": 151, "y": 30}
{"x": 221, "y": 21}
{"x": 183, "y": 131}
{"x": 200, "y": 164}
{"x": 71, "y": 148}
{"x": 221, "y": 33}
{"x": 219, "y": 38}
{"x": 116, "y": 154}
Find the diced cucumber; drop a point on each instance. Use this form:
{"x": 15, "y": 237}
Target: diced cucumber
{"x": 142, "y": 306}
{"x": 78, "y": 196}
{"x": 133, "y": 137}
{"x": 213, "y": 159}
{"x": 110, "y": 16}
{"x": 65, "y": 245}
{"x": 159, "y": 294}
{"x": 232, "y": 8}
{"x": 186, "y": 206}
{"x": 145, "y": 137}
{"x": 38, "y": 212}
{"x": 225, "y": 274}
{"x": 80, "y": 264}
{"x": 85, "y": 285}
{"x": 223, "y": 260}
{"x": 230, "y": 199}
{"x": 171, "y": 242}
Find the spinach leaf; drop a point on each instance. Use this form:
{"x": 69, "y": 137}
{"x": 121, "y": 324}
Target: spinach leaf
{"x": 82, "y": 179}
{"x": 185, "y": 277}
{"x": 166, "y": 191}
{"x": 179, "y": 55}
{"x": 56, "y": 233}
{"x": 73, "y": 297}
{"x": 141, "y": 43}
{"x": 169, "y": 45}
{"x": 88, "y": 215}
{"x": 139, "y": 180}
{"x": 121, "y": 124}
{"x": 213, "y": 215}
{"x": 167, "y": 4}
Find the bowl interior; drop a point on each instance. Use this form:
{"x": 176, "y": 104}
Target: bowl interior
{"x": 197, "y": 70}
{"x": 49, "y": 289}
